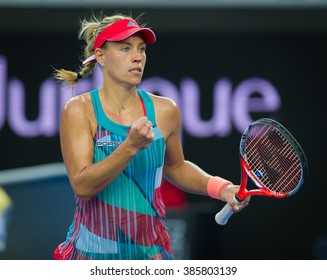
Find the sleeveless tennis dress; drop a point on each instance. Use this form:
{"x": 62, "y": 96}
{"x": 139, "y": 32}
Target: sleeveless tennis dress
{"x": 127, "y": 219}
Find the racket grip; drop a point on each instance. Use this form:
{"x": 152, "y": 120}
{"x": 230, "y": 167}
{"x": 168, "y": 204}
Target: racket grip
{"x": 223, "y": 215}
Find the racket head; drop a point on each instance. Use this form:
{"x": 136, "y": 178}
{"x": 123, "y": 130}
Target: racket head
{"x": 273, "y": 159}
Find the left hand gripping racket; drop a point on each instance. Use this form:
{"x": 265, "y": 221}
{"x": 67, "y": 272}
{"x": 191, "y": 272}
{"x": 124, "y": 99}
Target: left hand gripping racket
{"x": 272, "y": 158}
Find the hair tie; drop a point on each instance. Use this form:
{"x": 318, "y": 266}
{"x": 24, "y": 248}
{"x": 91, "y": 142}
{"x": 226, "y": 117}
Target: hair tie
{"x": 79, "y": 76}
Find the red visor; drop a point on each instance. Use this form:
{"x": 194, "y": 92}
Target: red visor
{"x": 121, "y": 30}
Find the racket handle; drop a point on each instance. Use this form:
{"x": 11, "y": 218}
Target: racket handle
{"x": 223, "y": 215}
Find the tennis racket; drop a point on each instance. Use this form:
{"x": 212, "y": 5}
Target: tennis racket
{"x": 272, "y": 158}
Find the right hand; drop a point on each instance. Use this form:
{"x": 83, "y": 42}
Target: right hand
{"x": 141, "y": 134}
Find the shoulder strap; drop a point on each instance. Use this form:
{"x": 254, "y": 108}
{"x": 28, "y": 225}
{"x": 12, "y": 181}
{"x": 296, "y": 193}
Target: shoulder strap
{"x": 96, "y": 102}
{"x": 148, "y": 104}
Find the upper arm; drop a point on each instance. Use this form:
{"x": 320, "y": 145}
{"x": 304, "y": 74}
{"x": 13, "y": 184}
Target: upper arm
{"x": 76, "y": 136}
{"x": 170, "y": 122}
{"x": 180, "y": 172}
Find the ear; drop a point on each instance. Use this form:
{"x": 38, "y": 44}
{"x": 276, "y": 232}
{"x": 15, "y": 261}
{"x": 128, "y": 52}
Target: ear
{"x": 99, "y": 56}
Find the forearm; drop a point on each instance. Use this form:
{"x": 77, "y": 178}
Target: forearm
{"x": 94, "y": 178}
{"x": 189, "y": 177}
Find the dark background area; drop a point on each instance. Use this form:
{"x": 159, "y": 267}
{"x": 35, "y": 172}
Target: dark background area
{"x": 284, "y": 46}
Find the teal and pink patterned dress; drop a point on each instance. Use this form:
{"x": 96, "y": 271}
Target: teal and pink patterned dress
{"x": 126, "y": 220}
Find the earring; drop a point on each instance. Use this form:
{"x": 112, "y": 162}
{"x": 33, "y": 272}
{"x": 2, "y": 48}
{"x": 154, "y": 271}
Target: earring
{"x": 102, "y": 65}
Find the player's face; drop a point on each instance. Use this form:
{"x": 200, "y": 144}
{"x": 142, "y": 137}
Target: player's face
{"x": 125, "y": 60}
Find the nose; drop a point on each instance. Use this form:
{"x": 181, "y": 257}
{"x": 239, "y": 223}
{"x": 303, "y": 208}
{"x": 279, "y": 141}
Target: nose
{"x": 137, "y": 56}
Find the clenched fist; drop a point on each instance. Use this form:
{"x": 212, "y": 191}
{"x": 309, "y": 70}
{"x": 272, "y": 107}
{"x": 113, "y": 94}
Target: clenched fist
{"x": 141, "y": 134}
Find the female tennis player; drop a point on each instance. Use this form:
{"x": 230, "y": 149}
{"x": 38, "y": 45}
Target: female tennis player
{"x": 118, "y": 142}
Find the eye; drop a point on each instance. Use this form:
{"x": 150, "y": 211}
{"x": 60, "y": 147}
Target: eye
{"x": 142, "y": 49}
{"x": 125, "y": 49}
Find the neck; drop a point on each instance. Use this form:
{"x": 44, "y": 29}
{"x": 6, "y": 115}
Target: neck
{"x": 119, "y": 101}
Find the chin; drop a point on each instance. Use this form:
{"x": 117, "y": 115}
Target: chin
{"x": 135, "y": 83}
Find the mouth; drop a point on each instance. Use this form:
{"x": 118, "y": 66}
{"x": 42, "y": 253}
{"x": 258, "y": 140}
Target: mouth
{"x": 136, "y": 70}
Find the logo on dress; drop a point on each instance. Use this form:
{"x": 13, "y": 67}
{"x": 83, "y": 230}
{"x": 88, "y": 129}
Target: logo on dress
{"x": 106, "y": 141}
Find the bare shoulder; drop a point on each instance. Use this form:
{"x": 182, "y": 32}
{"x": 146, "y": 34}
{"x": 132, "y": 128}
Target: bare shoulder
{"x": 79, "y": 109}
{"x": 78, "y": 103}
{"x": 168, "y": 115}
{"x": 165, "y": 105}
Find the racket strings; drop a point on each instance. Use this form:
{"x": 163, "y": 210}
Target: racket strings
{"x": 272, "y": 159}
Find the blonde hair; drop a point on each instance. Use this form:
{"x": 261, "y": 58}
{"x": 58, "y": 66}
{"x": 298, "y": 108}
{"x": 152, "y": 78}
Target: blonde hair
{"x": 90, "y": 29}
